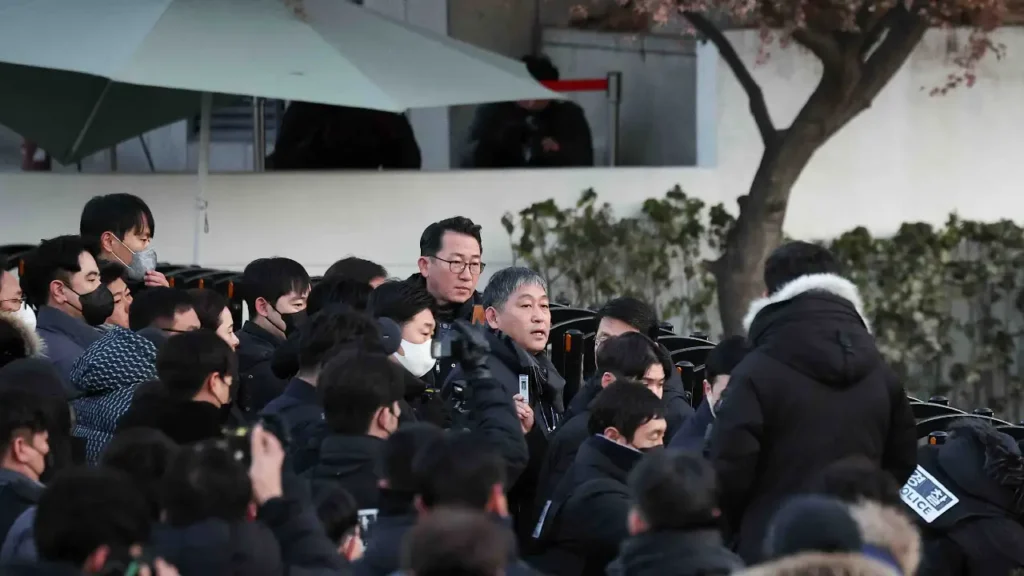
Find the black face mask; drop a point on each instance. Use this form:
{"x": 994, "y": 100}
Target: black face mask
{"x": 293, "y": 321}
{"x": 96, "y": 306}
{"x": 652, "y": 449}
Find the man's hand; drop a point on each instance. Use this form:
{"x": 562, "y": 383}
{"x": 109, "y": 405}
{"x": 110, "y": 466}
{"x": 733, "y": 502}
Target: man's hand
{"x": 156, "y": 279}
{"x": 265, "y": 470}
{"x": 550, "y": 145}
{"x": 524, "y": 412}
{"x": 160, "y": 568}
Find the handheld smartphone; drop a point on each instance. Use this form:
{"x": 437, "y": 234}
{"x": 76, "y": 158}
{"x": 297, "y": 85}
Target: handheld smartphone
{"x": 524, "y": 387}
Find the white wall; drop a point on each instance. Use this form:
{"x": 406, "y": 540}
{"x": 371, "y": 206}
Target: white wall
{"x": 910, "y": 157}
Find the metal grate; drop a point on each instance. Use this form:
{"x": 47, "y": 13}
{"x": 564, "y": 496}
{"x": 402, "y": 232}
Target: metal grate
{"x": 232, "y": 122}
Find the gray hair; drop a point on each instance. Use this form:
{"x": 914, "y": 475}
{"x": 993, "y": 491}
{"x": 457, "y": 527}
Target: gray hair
{"x": 506, "y": 281}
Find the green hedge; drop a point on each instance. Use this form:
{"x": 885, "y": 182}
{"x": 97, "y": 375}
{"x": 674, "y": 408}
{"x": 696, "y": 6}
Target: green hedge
{"x": 945, "y": 303}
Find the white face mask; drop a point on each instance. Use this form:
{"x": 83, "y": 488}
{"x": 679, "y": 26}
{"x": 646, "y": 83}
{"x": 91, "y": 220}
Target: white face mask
{"x": 417, "y": 360}
{"x": 26, "y": 315}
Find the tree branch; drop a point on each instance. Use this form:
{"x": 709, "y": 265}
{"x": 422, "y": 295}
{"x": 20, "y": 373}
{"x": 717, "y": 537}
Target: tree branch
{"x": 758, "y": 105}
{"x": 874, "y": 28}
{"x": 905, "y": 32}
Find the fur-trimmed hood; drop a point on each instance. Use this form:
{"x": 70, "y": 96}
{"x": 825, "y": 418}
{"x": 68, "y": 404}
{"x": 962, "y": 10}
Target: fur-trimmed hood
{"x": 888, "y": 528}
{"x": 18, "y": 339}
{"x": 821, "y": 564}
{"x": 831, "y": 283}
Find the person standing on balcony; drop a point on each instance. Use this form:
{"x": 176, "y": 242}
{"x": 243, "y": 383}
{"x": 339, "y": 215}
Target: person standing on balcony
{"x": 531, "y": 133}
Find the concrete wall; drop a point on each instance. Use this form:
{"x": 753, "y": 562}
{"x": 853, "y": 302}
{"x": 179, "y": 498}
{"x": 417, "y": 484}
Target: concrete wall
{"x": 909, "y": 157}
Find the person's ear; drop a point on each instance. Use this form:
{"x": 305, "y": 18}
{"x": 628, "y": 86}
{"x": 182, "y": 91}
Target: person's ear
{"x": 635, "y": 523}
{"x": 58, "y": 292}
{"x": 18, "y": 449}
{"x": 423, "y": 264}
{"x": 262, "y": 306}
{"x": 107, "y": 241}
{"x": 707, "y": 390}
{"x": 607, "y": 379}
{"x": 210, "y": 384}
{"x": 491, "y": 315}
{"x": 94, "y": 562}
{"x": 383, "y": 484}
{"x": 614, "y": 435}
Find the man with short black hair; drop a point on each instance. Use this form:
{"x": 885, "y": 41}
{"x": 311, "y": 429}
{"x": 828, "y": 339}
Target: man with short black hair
{"x": 62, "y": 281}
{"x": 276, "y": 290}
{"x": 812, "y": 390}
{"x": 581, "y": 526}
{"x": 196, "y": 371}
{"x": 360, "y": 393}
{"x": 12, "y": 299}
{"x": 673, "y": 523}
{"x": 114, "y": 276}
{"x": 121, "y": 226}
{"x": 24, "y": 418}
{"x": 624, "y": 315}
{"x": 462, "y": 470}
{"x": 360, "y": 270}
{"x": 94, "y": 534}
{"x": 629, "y": 358}
{"x": 396, "y": 513}
{"x": 450, "y": 266}
{"x": 299, "y": 406}
{"x": 721, "y": 361}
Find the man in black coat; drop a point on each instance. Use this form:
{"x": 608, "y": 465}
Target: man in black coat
{"x": 531, "y": 133}
{"x": 673, "y": 524}
{"x": 24, "y": 417}
{"x": 814, "y": 389}
{"x": 620, "y": 316}
{"x": 450, "y": 266}
{"x": 630, "y": 358}
{"x": 275, "y": 291}
{"x": 583, "y": 524}
{"x": 519, "y": 319}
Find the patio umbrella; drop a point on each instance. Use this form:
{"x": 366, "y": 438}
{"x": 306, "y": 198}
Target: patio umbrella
{"x": 79, "y": 76}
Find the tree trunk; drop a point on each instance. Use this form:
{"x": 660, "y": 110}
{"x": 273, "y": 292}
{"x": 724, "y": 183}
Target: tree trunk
{"x": 739, "y": 272}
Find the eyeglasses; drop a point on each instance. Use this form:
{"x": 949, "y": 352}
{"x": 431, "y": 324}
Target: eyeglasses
{"x": 19, "y": 300}
{"x": 475, "y": 268}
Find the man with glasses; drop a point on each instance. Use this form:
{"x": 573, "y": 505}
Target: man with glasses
{"x": 11, "y": 298}
{"x": 450, "y": 267}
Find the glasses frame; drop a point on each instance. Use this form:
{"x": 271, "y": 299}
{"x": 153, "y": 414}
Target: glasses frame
{"x": 457, "y": 267}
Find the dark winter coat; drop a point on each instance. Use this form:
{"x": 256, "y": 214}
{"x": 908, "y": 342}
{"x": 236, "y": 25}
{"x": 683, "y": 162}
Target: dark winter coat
{"x": 351, "y": 462}
{"x": 18, "y": 493}
{"x": 383, "y": 554}
{"x": 298, "y": 408}
{"x": 506, "y": 135}
{"x": 66, "y": 339}
{"x": 694, "y": 434}
{"x": 813, "y": 390}
{"x": 585, "y": 523}
{"x": 675, "y": 553}
{"x": 507, "y": 362}
{"x": 981, "y": 533}
{"x": 257, "y": 383}
{"x": 184, "y": 421}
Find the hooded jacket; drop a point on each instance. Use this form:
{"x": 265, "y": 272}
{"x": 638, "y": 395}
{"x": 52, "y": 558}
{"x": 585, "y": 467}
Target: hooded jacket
{"x": 890, "y": 534}
{"x": 820, "y": 564}
{"x": 814, "y": 389}
{"x": 106, "y": 377}
{"x": 981, "y": 532}
{"x": 18, "y": 340}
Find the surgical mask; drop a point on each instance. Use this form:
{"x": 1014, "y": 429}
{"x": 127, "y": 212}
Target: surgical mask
{"x": 96, "y": 306}
{"x": 418, "y": 359}
{"x": 652, "y": 449}
{"x": 142, "y": 262}
{"x": 26, "y": 316}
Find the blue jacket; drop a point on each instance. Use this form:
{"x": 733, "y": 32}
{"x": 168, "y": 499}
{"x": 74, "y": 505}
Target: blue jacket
{"x": 692, "y": 435}
{"x": 20, "y": 544}
{"x": 66, "y": 339}
{"x": 299, "y": 409}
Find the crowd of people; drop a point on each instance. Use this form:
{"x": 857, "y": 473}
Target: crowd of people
{"x": 375, "y": 426}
